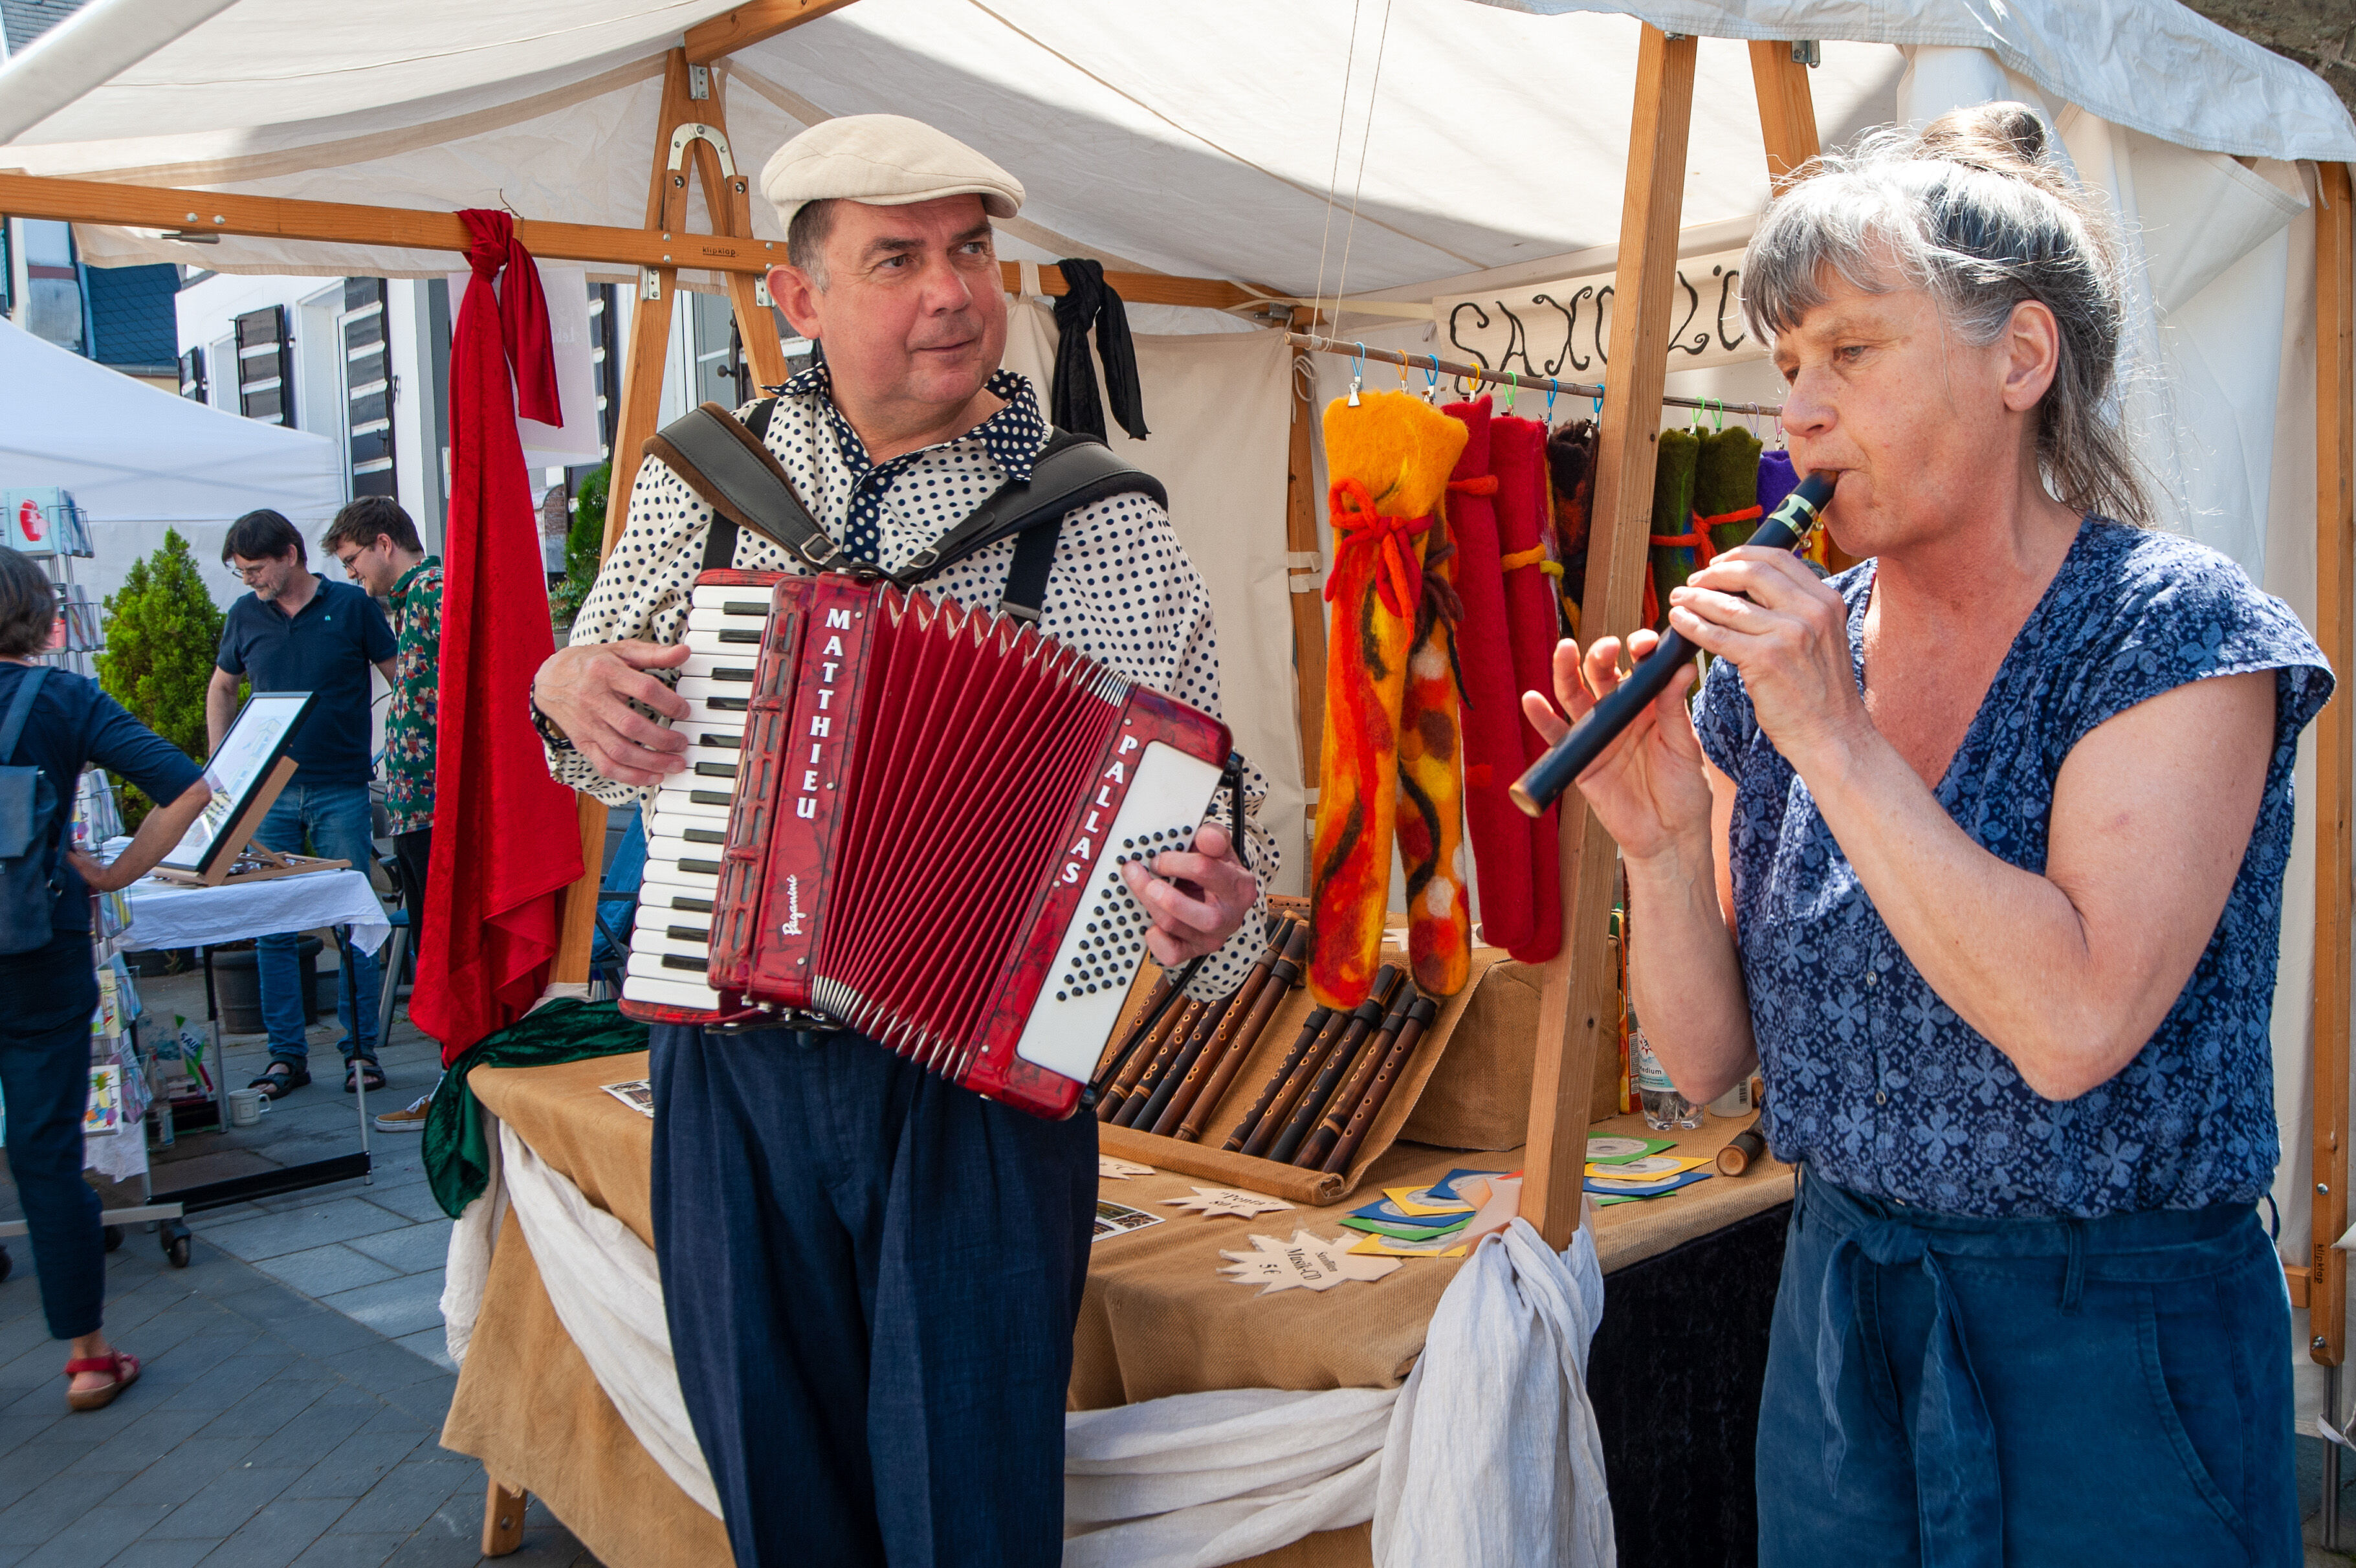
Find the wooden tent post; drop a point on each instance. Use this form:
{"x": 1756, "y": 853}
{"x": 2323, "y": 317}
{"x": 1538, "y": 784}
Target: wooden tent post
{"x": 1304, "y": 578}
{"x": 2335, "y": 629}
{"x": 1577, "y": 1006}
{"x": 1787, "y": 111}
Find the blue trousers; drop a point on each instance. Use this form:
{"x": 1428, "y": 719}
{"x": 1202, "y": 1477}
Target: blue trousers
{"x": 333, "y": 820}
{"x": 872, "y": 1279}
{"x": 2042, "y": 1393}
{"x": 45, "y": 1077}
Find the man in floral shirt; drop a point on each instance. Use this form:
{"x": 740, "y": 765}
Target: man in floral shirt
{"x": 380, "y": 550}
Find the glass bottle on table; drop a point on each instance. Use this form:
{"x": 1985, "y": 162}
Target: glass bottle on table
{"x": 1665, "y": 1109}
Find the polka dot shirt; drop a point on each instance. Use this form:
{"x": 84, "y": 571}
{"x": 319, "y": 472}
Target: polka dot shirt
{"x": 1122, "y": 591}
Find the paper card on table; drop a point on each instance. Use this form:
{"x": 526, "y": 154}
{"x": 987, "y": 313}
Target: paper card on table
{"x": 1612, "y": 1151}
{"x": 1643, "y": 1189}
{"x": 1653, "y": 1168}
{"x": 1306, "y": 1262}
{"x": 1115, "y": 1219}
{"x": 1419, "y": 1200}
{"x": 103, "y": 1111}
{"x": 638, "y": 1094}
{"x": 1387, "y": 1212}
{"x": 1213, "y": 1201}
{"x": 1111, "y": 1169}
{"x": 1447, "y": 1246}
{"x": 1399, "y": 1230}
{"x": 1444, "y": 1190}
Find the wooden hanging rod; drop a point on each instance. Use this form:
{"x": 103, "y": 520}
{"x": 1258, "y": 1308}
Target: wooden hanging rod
{"x": 1478, "y": 376}
{"x": 337, "y": 223}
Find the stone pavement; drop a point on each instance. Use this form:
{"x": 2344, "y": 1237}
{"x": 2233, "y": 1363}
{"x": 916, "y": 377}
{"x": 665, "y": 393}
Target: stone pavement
{"x": 295, "y": 1380}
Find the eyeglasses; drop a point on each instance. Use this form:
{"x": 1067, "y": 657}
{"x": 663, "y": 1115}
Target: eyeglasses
{"x": 250, "y": 573}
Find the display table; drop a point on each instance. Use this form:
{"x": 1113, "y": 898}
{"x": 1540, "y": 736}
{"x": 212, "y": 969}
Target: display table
{"x": 1157, "y": 1319}
{"x": 168, "y": 915}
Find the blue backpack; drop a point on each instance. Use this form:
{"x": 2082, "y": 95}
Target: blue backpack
{"x": 28, "y": 843}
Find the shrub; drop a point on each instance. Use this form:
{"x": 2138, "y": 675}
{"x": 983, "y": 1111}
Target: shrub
{"x": 162, "y": 631}
{"x": 582, "y": 542}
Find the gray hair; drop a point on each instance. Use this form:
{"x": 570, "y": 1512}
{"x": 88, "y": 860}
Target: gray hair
{"x": 1974, "y": 209}
{"x": 806, "y": 239}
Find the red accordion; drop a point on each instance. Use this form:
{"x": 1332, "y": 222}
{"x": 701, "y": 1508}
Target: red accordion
{"x": 909, "y": 819}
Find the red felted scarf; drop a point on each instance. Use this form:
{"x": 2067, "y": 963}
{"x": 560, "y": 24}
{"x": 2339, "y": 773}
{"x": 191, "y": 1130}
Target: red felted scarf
{"x": 506, "y": 839}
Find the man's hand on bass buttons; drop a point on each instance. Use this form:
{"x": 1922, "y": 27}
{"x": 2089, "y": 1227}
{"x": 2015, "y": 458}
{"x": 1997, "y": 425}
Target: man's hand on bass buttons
{"x": 586, "y": 693}
{"x": 1203, "y": 906}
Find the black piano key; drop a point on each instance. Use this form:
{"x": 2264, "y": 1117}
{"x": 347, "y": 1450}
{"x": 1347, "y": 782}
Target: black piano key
{"x": 744, "y": 608}
{"x": 687, "y": 934}
{"x": 716, "y": 770}
{"x": 674, "y": 961}
{"x": 740, "y": 634}
{"x": 700, "y": 868}
{"x": 711, "y": 797}
{"x": 728, "y": 705}
{"x": 691, "y": 905}
{"x": 729, "y": 674}
{"x": 733, "y": 742}
{"x": 704, "y": 835}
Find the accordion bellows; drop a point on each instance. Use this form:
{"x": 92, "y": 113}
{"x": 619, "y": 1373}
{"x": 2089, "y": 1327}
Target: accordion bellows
{"x": 929, "y": 809}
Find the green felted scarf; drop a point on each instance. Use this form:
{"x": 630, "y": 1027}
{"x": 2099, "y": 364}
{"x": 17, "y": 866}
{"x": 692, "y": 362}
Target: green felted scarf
{"x": 457, "y": 1129}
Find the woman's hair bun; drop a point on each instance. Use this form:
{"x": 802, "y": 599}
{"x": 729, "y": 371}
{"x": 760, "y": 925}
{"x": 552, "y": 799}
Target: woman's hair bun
{"x": 2005, "y": 138}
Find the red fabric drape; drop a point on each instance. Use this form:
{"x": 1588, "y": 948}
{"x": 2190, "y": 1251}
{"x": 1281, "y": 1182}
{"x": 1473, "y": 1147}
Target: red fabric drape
{"x": 505, "y": 836}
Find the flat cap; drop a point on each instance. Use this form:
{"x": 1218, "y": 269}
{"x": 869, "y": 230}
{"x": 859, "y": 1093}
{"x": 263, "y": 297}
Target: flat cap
{"x": 884, "y": 160}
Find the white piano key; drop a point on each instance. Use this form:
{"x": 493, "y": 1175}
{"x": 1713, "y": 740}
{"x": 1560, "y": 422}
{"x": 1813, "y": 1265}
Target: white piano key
{"x": 720, "y": 643}
{"x": 702, "y": 884}
{"x": 678, "y": 804}
{"x": 652, "y": 966}
{"x": 719, "y": 597}
{"x": 663, "y": 991}
{"x": 657, "y": 941}
{"x": 669, "y": 902}
{"x": 699, "y": 694}
{"x": 719, "y": 668}
{"x": 721, "y": 617}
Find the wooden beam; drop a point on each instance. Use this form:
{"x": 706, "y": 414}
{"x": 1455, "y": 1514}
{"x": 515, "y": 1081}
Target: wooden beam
{"x": 409, "y": 228}
{"x": 1302, "y": 540}
{"x": 1578, "y": 997}
{"x": 338, "y": 222}
{"x": 2295, "y": 1280}
{"x": 748, "y": 24}
{"x": 1787, "y": 112}
{"x": 2335, "y": 768}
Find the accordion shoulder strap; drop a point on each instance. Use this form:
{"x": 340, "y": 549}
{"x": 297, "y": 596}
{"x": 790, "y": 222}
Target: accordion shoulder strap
{"x": 732, "y": 469}
{"x": 1073, "y": 471}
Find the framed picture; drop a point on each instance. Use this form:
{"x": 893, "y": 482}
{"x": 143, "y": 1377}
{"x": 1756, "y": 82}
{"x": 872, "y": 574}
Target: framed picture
{"x": 245, "y": 774}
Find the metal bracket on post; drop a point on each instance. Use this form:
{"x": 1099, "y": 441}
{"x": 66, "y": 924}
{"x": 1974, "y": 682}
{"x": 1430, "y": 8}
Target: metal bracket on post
{"x": 1807, "y": 51}
{"x": 649, "y": 284}
{"x": 761, "y": 291}
{"x": 699, "y": 81}
{"x": 686, "y": 134}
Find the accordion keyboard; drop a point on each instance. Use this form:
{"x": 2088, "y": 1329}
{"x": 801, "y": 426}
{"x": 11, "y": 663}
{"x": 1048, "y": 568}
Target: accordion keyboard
{"x": 686, "y": 817}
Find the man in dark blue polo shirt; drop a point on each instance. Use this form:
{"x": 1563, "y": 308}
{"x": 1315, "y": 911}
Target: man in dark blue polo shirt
{"x": 298, "y": 632}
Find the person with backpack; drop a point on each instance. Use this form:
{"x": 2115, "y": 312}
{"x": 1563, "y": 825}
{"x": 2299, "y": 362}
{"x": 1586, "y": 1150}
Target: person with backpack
{"x": 53, "y": 724}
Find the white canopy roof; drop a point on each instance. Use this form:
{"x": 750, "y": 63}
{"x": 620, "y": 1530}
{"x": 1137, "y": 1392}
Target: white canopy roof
{"x": 1191, "y": 137}
{"x": 139, "y": 460}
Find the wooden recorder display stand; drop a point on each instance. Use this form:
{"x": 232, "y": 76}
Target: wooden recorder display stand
{"x": 1288, "y": 1061}
{"x": 252, "y": 861}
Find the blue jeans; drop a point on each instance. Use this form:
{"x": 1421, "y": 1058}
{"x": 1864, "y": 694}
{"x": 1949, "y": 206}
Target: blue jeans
{"x": 331, "y": 820}
{"x": 45, "y": 1077}
{"x": 2041, "y": 1394}
{"x": 872, "y": 1278}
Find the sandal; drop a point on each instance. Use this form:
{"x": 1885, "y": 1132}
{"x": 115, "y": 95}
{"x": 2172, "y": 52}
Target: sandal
{"x": 375, "y": 1079}
{"x": 280, "y": 1079}
{"x": 124, "y": 1368}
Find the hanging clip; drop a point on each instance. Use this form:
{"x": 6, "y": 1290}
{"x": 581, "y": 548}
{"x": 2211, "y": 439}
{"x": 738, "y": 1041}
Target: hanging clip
{"x": 1357, "y": 373}
{"x": 1512, "y": 390}
{"x": 1599, "y": 400}
{"x": 1552, "y": 387}
{"x": 1431, "y": 382}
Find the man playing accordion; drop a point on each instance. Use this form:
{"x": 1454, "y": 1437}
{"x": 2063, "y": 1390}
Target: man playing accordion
{"x": 873, "y": 1275}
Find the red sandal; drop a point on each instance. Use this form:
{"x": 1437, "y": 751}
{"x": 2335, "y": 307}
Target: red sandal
{"x": 125, "y": 1367}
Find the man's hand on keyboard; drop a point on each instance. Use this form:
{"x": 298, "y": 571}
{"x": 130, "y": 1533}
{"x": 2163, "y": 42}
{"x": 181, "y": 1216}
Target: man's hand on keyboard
{"x": 586, "y": 693}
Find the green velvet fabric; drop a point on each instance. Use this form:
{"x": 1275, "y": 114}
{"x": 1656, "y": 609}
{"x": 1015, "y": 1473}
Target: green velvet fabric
{"x": 457, "y": 1128}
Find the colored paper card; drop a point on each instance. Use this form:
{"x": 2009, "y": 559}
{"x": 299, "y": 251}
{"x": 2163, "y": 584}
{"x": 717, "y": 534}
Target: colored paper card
{"x": 1419, "y": 1200}
{"x": 1612, "y": 1151}
{"x": 1653, "y": 1168}
{"x": 1385, "y": 1212}
{"x": 1111, "y": 1169}
{"x": 1444, "y": 1190}
{"x": 1386, "y": 1247}
{"x": 1305, "y": 1263}
{"x": 1654, "y": 1189}
{"x": 1403, "y": 1231}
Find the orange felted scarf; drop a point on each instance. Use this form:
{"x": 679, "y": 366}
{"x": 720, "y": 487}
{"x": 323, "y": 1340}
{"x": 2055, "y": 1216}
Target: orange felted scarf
{"x": 1431, "y": 783}
{"x": 1389, "y": 459}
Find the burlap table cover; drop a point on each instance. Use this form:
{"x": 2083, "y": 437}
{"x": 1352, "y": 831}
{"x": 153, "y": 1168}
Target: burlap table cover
{"x": 1157, "y": 1319}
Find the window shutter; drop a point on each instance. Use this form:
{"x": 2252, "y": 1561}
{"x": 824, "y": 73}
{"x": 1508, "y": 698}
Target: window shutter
{"x": 192, "y": 375}
{"x": 265, "y": 380}
{"x": 368, "y": 387}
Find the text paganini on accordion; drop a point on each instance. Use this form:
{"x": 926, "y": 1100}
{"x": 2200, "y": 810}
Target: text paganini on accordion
{"x": 908, "y": 817}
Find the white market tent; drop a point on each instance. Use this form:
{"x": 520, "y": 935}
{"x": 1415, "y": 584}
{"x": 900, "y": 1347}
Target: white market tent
{"x": 1417, "y": 151}
{"x": 139, "y": 461}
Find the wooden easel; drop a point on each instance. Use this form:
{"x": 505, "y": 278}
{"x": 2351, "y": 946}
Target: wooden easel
{"x": 250, "y": 862}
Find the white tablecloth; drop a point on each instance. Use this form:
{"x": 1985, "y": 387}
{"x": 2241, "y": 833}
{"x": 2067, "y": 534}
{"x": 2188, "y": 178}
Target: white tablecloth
{"x": 166, "y": 915}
